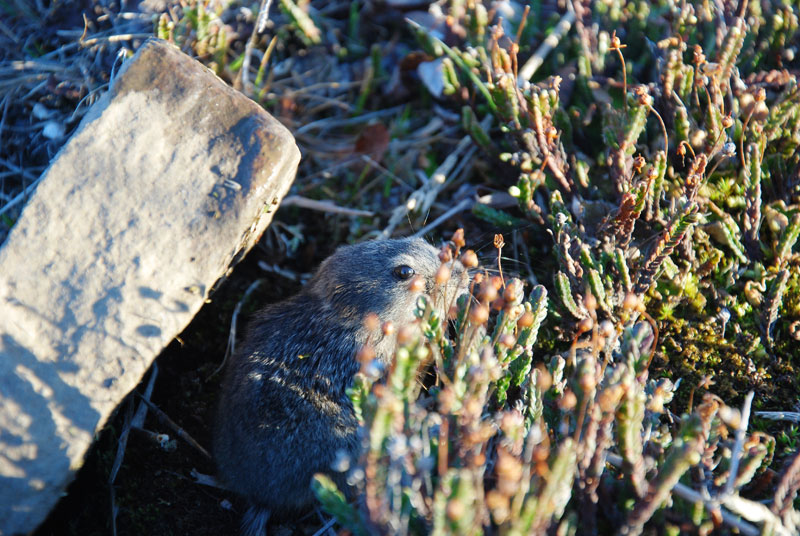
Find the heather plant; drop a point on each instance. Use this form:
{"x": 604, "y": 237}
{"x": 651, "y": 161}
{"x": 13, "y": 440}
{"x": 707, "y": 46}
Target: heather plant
{"x": 673, "y": 210}
{"x": 495, "y": 443}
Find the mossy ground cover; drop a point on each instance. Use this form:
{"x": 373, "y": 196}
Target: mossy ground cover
{"x": 639, "y": 160}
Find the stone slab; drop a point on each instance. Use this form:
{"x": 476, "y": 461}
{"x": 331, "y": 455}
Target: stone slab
{"x": 170, "y": 177}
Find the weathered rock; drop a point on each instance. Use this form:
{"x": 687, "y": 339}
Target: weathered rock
{"x": 170, "y": 177}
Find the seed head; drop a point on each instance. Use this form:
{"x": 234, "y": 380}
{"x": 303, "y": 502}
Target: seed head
{"x": 469, "y": 259}
{"x": 405, "y": 334}
{"x": 692, "y": 181}
{"x": 615, "y": 43}
{"x": 372, "y": 322}
{"x": 727, "y": 121}
{"x": 458, "y": 238}
{"x": 499, "y": 241}
{"x": 526, "y": 320}
{"x": 606, "y": 328}
{"x": 567, "y": 401}
{"x": 365, "y": 354}
{"x": 446, "y": 253}
{"x": 443, "y": 274}
{"x": 488, "y": 293}
{"x": 699, "y": 57}
{"x": 551, "y": 133}
{"x": 587, "y": 382}
{"x": 545, "y": 379}
{"x": 508, "y": 340}
{"x": 479, "y": 314}
{"x": 590, "y": 302}
{"x": 513, "y": 293}
{"x": 642, "y": 96}
{"x": 417, "y": 284}
{"x": 455, "y": 509}
{"x": 585, "y": 325}
{"x": 633, "y": 302}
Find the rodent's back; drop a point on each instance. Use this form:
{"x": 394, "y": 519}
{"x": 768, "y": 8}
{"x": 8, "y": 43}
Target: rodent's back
{"x": 284, "y": 412}
{"x": 282, "y": 407}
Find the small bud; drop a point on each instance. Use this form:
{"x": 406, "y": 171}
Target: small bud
{"x": 607, "y": 328}
{"x": 761, "y": 95}
{"x": 727, "y": 121}
{"x": 458, "y": 238}
{"x": 551, "y": 133}
{"x": 387, "y": 328}
{"x": 372, "y": 322}
{"x": 638, "y": 163}
{"x": 498, "y": 304}
{"x": 590, "y": 301}
{"x": 417, "y": 284}
{"x": 585, "y": 325}
{"x": 446, "y": 254}
{"x": 405, "y": 334}
{"x": 447, "y": 399}
{"x": 442, "y": 274}
{"x": 513, "y": 291}
{"x": 567, "y": 401}
{"x": 365, "y": 354}
{"x": 526, "y": 320}
{"x": 609, "y": 397}
{"x": 479, "y": 314}
{"x": 514, "y": 310}
{"x": 469, "y": 259}
{"x": 455, "y": 509}
{"x": 699, "y": 57}
{"x": 633, "y": 302}
{"x": 514, "y": 191}
{"x": 488, "y": 293}
{"x": 587, "y": 382}
{"x": 544, "y": 379}
{"x": 507, "y": 340}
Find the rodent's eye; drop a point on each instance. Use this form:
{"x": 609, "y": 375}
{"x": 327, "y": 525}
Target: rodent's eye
{"x": 404, "y": 272}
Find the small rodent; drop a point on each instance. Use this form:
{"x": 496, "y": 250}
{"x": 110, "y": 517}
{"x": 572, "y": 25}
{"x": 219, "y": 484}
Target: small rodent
{"x": 284, "y": 413}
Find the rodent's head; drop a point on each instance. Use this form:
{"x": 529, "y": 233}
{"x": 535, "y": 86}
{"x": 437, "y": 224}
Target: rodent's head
{"x": 375, "y": 277}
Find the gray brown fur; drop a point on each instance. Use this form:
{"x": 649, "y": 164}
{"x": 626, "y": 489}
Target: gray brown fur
{"x": 284, "y": 413}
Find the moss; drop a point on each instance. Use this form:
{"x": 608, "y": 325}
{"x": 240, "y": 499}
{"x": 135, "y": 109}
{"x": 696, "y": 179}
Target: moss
{"x": 694, "y": 349}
